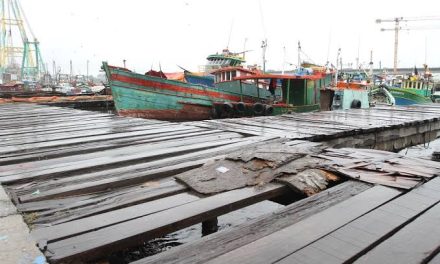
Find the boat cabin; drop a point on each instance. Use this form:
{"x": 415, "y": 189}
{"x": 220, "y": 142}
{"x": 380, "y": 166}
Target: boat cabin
{"x": 298, "y": 93}
{"x": 228, "y": 74}
{"x": 224, "y": 59}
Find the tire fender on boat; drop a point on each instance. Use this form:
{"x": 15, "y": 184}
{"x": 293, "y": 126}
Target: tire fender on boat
{"x": 356, "y": 104}
{"x": 268, "y": 109}
{"x": 228, "y": 107}
{"x": 214, "y": 114}
{"x": 258, "y": 108}
{"x": 241, "y": 107}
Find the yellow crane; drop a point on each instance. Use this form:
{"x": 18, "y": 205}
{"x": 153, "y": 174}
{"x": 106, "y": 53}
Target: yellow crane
{"x": 397, "y": 28}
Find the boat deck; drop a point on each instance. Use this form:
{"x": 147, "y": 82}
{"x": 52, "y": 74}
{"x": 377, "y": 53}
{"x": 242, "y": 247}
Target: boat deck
{"x": 91, "y": 184}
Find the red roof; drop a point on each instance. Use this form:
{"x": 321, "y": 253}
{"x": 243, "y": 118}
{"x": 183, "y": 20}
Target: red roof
{"x": 278, "y": 76}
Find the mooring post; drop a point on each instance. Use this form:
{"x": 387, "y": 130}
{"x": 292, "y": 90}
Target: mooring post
{"x": 209, "y": 226}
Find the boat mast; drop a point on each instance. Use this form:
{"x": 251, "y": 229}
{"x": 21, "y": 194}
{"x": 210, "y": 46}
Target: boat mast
{"x": 264, "y": 46}
{"x": 299, "y": 54}
{"x": 284, "y": 59}
{"x": 337, "y": 66}
{"x": 371, "y": 66}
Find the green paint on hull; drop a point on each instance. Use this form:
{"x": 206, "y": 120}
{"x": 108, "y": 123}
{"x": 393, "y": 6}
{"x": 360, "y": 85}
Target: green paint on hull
{"x": 153, "y": 97}
{"x": 408, "y": 95}
{"x": 134, "y": 99}
{"x": 278, "y": 110}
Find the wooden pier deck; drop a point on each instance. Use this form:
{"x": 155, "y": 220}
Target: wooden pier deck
{"x": 91, "y": 184}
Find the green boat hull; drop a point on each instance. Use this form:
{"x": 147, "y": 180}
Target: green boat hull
{"x": 145, "y": 96}
{"x": 408, "y": 96}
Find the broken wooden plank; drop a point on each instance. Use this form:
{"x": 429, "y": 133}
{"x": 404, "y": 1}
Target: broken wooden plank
{"x": 119, "y": 181}
{"x": 92, "y": 223}
{"x": 98, "y": 243}
{"x": 206, "y": 248}
{"x": 106, "y": 202}
{"x": 280, "y": 244}
{"x": 309, "y": 181}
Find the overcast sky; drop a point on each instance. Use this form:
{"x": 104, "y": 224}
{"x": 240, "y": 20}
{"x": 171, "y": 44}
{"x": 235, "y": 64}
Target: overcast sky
{"x": 185, "y": 32}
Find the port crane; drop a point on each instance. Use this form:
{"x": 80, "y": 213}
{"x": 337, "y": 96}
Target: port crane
{"x": 397, "y": 28}
{"x": 20, "y": 56}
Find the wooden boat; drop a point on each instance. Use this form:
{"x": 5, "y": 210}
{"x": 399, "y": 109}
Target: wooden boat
{"x": 155, "y": 97}
{"x": 415, "y": 89}
{"x": 236, "y": 92}
{"x": 411, "y": 92}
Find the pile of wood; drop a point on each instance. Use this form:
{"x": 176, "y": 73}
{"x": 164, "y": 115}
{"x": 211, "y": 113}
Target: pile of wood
{"x": 308, "y": 169}
{"x": 292, "y": 165}
{"x": 379, "y": 167}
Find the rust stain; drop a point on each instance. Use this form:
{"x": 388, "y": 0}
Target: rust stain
{"x": 187, "y": 113}
{"x": 330, "y": 176}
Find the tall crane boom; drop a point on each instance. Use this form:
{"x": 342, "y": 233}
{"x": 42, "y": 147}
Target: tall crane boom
{"x": 18, "y": 59}
{"x": 397, "y": 28}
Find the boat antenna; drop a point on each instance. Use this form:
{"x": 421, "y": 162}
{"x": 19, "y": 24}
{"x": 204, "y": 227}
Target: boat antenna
{"x": 358, "y": 66}
{"x": 244, "y": 48}
{"x": 264, "y": 42}
{"x": 371, "y": 66}
{"x": 262, "y": 18}
{"x": 230, "y": 33}
{"x": 328, "y": 46}
{"x": 284, "y": 59}
{"x": 337, "y": 66}
{"x": 426, "y": 48}
{"x": 263, "y": 47}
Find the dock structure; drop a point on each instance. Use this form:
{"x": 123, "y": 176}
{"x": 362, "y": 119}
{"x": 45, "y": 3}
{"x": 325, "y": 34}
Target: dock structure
{"x": 91, "y": 184}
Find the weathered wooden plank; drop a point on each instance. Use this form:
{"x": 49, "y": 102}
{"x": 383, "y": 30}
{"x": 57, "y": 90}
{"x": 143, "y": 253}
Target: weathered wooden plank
{"x": 30, "y": 147}
{"x": 137, "y": 170}
{"x": 146, "y": 153}
{"x": 98, "y": 243}
{"x": 107, "y": 202}
{"x": 59, "y": 162}
{"x": 417, "y": 242}
{"x": 47, "y": 137}
{"x": 282, "y": 127}
{"x": 35, "y": 154}
{"x": 217, "y": 244}
{"x": 96, "y": 222}
{"x": 118, "y": 181}
{"x": 280, "y": 244}
{"x": 354, "y": 239}
{"x": 101, "y": 127}
{"x": 48, "y": 204}
{"x": 248, "y": 129}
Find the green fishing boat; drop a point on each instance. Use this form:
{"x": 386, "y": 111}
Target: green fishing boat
{"x": 414, "y": 89}
{"x": 412, "y": 92}
{"x": 236, "y": 92}
{"x": 229, "y": 90}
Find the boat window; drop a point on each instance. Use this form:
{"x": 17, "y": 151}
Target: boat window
{"x": 233, "y": 74}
